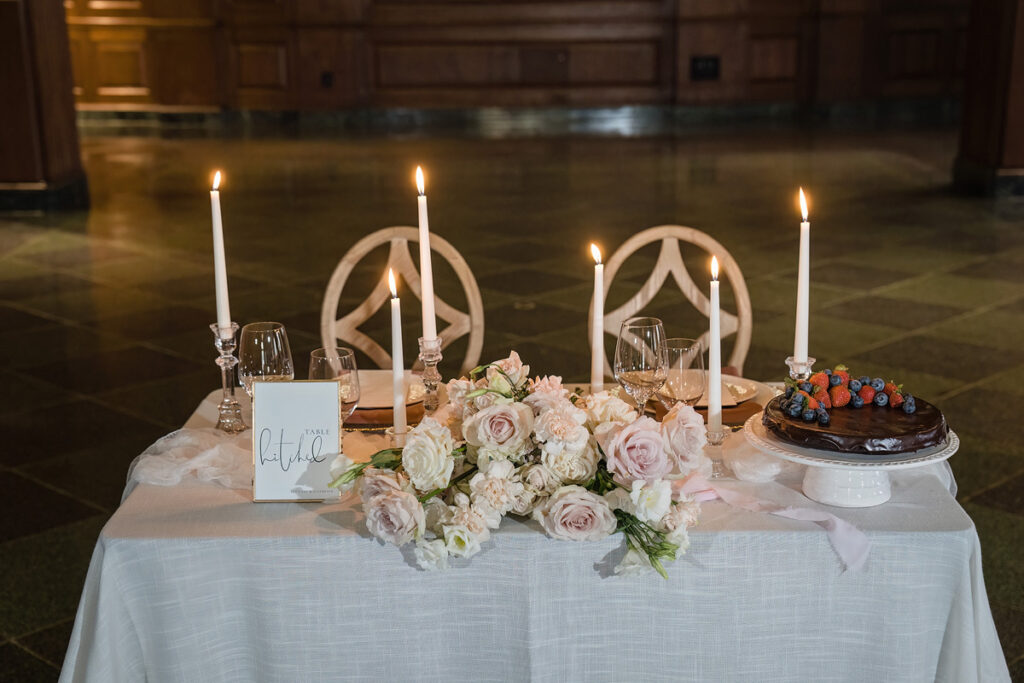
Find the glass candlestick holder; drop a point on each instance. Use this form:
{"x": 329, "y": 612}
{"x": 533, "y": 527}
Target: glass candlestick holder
{"x": 430, "y": 356}
{"x": 800, "y": 369}
{"x": 713, "y": 450}
{"x": 229, "y": 412}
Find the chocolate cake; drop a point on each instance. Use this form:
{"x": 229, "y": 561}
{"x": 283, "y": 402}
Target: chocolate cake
{"x": 872, "y": 429}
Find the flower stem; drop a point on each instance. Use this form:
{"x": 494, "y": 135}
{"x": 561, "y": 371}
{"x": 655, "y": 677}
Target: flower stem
{"x": 427, "y": 496}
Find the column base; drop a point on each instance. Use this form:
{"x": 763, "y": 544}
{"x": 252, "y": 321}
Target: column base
{"x": 45, "y": 196}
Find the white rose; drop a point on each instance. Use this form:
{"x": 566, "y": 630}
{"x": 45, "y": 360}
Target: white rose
{"x": 500, "y": 432}
{"x": 493, "y": 491}
{"x": 605, "y": 406}
{"x": 524, "y": 503}
{"x": 395, "y": 517}
{"x": 684, "y": 436}
{"x": 427, "y": 456}
{"x": 651, "y": 500}
{"x": 575, "y": 467}
{"x": 539, "y": 479}
{"x": 431, "y": 555}
{"x": 573, "y": 513}
{"x": 460, "y": 541}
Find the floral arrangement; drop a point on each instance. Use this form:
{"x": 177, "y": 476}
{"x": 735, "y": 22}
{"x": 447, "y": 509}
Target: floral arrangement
{"x": 584, "y": 467}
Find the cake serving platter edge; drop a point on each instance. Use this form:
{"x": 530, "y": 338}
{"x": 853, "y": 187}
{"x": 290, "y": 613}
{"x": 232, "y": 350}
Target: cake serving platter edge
{"x": 846, "y": 479}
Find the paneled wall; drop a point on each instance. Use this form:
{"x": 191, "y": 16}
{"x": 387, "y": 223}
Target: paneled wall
{"x": 328, "y": 54}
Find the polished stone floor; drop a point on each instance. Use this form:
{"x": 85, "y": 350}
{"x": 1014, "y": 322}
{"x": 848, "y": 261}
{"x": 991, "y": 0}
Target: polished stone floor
{"x": 103, "y": 315}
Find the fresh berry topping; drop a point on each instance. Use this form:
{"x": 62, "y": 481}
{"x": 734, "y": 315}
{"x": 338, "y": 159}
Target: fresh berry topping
{"x": 841, "y": 368}
{"x": 819, "y": 379}
{"x": 809, "y": 415}
{"x": 878, "y": 384}
{"x": 909, "y": 407}
{"x": 821, "y": 396}
{"x": 892, "y": 388}
{"x": 835, "y": 380}
{"x": 806, "y": 386}
{"x": 856, "y": 401}
{"x": 895, "y": 399}
{"x": 823, "y": 419}
{"x": 881, "y": 399}
{"x": 840, "y": 396}
{"x": 855, "y": 385}
{"x": 812, "y": 404}
{"x": 828, "y": 371}
{"x": 844, "y": 377}
{"x": 789, "y": 391}
{"x": 867, "y": 393}
{"x": 864, "y": 379}
{"x": 794, "y": 409}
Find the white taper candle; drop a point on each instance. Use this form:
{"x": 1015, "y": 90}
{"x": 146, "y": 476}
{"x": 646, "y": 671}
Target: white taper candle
{"x": 803, "y": 285}
{"x": 715, "y": 356}
{"x": 597, "y": 325}
{"x": 426, "y": 269}
{"x": 397, "y": 362}
{"x": 220, "y": 268}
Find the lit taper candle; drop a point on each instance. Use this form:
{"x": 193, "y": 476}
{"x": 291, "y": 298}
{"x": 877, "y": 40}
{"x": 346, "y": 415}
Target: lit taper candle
{"x": 397, "y": 364}
{"x": 426, "y": 270}
{"x": 714, "y": 356}
{"x": 597, "y": 325}
{"x": 803, "y": 285}
{"x": 220, "y": 269}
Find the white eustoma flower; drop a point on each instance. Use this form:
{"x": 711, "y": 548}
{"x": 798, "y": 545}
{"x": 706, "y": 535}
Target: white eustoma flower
{"x": 633, "y": 564}
{"x": 651, "y": 499}
{"x": 339, "y": 466}
{"x": 460, "y": 541}
{"x": 427, "y": 455}
{"x": 618, "y": 499}
{"x": 431, "y": 555}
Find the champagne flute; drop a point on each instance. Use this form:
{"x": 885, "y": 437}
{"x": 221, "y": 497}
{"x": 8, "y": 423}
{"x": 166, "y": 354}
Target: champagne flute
{"x": 264, "y": 354}
{"x": 641, "y": 364}
{"x": 686, "y": 381}
{"x": 338, "y": 365}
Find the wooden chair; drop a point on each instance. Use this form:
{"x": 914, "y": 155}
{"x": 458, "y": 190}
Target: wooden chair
{"x": 670, "y": 262}
{"x": 333, "y": 329}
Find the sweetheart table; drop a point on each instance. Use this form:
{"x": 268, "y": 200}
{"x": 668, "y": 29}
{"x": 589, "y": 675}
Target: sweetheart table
{"x": 194, "y": 582}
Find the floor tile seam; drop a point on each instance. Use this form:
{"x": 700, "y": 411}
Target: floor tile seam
{"x": 956, "y": 391}
{"x": 32, "y": 653}
{"x": 57, "y": 489}
{"x": 923, "y": 329}
{"x": 969, "y": 498}
{"x": 46, "y": 627}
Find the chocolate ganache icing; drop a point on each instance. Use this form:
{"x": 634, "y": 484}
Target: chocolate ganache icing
{"x": 871, "y": 429}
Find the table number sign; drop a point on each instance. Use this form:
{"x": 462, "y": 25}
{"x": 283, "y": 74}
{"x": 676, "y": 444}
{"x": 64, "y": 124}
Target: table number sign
{"x": 295, "y": 437}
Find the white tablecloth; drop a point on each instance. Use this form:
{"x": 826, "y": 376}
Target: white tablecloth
{"x": 197, "y": 583}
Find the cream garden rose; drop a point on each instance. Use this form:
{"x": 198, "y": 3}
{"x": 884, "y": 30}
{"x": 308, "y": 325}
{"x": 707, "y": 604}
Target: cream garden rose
{"x": 500, "y": 432}
{"x": 604, "y": 407}
{"x": 684, "y": 435}
{"x": 395, "y": 516}
{"x": 635, "y": 451}
{"x": 427, "y": 456}
{"x": 571, "y": 466}
{"x": 576, "y": 514}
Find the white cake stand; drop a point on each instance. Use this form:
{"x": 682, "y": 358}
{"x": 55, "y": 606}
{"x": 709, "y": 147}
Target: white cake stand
{"x": 849, "y": 480}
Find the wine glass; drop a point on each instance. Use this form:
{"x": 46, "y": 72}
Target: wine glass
{"x": 641, "y": 363}
{"x": 338, "y": 365}
{"x": 264, "y": 354}
{"x": 686, "y": 380}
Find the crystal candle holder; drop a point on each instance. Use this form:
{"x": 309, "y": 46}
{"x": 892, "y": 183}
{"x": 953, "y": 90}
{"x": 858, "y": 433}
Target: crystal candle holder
{"x": 800, "y": 370}
{"x": 229, "y": 412}
{"x": 430, "y": 356}
{"x": 396, "y": 439}
{"x": 716, "y": 437}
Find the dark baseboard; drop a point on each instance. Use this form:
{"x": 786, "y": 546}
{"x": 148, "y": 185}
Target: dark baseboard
{"x": 69, "y": 195}
{"x": 974, "y": 178}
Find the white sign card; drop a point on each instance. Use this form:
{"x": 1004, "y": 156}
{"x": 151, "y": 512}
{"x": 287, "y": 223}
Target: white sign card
{"x": 295, "y": 437}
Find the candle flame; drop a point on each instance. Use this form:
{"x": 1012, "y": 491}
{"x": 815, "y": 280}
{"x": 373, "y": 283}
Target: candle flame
{"x": 803, "y": 204}
{"x": 216, "y": 180}
{"x": 391, "y": 284}
{"x": 596, "y": 253}
{"x": 419, "y": 181}
{"x": 714, "y": 267}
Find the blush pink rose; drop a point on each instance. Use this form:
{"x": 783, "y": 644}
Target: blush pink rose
{"x": 395, "y": 517}
{"x": 635, "y": 451}
{"x": 575, "y": 514}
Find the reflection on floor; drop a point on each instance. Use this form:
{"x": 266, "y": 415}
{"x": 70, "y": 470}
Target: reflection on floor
{"x": 103, "y": 315}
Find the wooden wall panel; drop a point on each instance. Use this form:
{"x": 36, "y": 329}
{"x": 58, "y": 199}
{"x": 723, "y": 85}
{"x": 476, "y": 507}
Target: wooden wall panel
{"x": 311, "y": 54}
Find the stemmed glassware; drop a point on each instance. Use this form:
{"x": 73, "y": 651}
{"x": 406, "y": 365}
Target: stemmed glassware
{"x": 641, "y": 361}
{"x": 338, "y": 365}
{"x": 686, "y": 380}
{"x": 264, "y": 354}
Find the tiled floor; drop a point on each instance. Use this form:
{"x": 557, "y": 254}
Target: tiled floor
{"x": 104, "y": 344}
